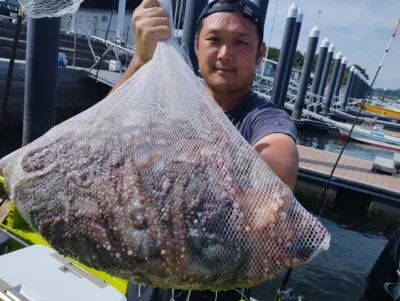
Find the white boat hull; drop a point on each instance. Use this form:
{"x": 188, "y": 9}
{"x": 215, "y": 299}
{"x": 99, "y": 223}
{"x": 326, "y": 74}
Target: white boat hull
{"x": 375, "y": 138}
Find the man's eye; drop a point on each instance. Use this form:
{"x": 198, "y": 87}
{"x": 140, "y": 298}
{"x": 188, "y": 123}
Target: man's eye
{"x": 213, "y": 39}
{"x": 241, "y": 43}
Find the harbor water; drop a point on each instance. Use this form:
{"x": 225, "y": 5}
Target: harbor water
{"x": 338, "y": 274}
{"x": 331, "y": 142}
{"x": 356, "y": 242}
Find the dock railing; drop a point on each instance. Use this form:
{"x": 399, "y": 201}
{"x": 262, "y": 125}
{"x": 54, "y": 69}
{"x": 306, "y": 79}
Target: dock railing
{"x": 113, "y": 46}
{"x": 313, "y": 101}
{"x": 263, "y": 84}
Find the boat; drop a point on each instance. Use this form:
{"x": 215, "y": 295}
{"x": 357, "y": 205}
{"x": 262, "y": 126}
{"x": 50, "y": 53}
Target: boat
{"x": 379, "y": 110}
{"x": 371, "y": 135}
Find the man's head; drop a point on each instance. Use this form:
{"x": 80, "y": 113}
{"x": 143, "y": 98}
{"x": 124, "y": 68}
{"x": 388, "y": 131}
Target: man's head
{"x": 229, "y": 44}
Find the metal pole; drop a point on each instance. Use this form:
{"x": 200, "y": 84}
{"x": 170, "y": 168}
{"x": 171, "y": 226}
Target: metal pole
{"x": 365, "y": 86}
{"x": 179, "y": 18}
{"x": 366, "y": 90}
{"x": 358, "y": 87}
{"x": 306, "y": 72}
{"x": 335, "y": 71}
{"x": 383, "y": 96}
{"x": 355, "y": 84}
{"x": 284, "y": 54}
{"x": 192, "y": 13}
{"x": 40, "y": 77}
{"x": 323, "y": 51}
{"x": 10, "y": 70}
{"x": 359, "y": 84}
{"x": 362, "y": 88}
{"x": 73, "y": 30}
{"x": 292, "y": 54}
{"x": 121, "y": 19}
{"x": 73, "y": 22}
{"x": 325, "y": 74}
{"x": 339, "y": 79}
{"x": 350, "y": 81}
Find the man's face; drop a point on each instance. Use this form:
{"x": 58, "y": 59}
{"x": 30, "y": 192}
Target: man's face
{"x": 228, "y": 52}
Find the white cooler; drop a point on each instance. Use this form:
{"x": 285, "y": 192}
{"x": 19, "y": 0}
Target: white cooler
{"x": 114, "y": 66}
{"x": 39, "y": 273}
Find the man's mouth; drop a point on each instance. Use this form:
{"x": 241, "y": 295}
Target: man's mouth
{"x": 224, "y": 70}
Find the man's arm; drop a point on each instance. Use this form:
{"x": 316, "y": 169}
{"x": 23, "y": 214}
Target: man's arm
{"x": 279, "y": 151}
{"x": 150, "y": 25}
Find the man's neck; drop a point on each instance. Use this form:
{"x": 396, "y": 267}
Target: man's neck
{"x": 228, "y": 100}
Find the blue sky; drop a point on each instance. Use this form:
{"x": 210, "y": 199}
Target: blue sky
{"x": 360, "y": 29}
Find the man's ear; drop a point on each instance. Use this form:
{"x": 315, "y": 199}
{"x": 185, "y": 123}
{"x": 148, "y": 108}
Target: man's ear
{"x": 261, "y": 53}
{"x": 196, "y": 46}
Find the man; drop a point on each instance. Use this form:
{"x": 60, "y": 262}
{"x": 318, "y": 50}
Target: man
{"x": 229, "y": 47}
{"x": 383, "y": 282}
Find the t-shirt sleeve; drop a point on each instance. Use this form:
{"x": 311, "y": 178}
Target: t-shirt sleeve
{"x": 271, "y": 120}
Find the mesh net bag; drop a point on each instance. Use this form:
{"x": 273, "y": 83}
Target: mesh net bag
{"x": 49, "y": 8}
{"x": 156, "y": 185}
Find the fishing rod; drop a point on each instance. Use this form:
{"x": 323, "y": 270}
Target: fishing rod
{"x": 281, "y": 292}
{"x": 357, "y": 118}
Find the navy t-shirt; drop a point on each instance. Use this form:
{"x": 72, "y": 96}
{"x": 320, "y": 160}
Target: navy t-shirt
{"x": 255, "y": 118}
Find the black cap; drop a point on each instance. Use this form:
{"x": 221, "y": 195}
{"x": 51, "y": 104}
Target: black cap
{"x": 247, "y": 8}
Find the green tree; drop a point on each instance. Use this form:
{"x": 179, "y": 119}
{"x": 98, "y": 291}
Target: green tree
{"x": 298, "y": 60}
{"x": 315, "y": 63}
{"x": 273, "y": 54}
{"x": 346, "y": 75}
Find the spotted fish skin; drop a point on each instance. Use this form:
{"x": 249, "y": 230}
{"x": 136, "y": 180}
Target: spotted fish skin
{"x": 161, "y": 210}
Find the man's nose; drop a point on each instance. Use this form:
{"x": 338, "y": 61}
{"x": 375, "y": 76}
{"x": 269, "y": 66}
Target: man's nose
{"x": 225, "y": 53}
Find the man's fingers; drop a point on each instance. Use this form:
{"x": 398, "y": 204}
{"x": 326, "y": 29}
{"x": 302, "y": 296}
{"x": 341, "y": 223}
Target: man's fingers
{"x": 151, "y": 23}
{"x": 149, "y": 3}
{"x": 155, "y": 12}
{"x": 161, "y": 32}
{"x": 157, "y": 33}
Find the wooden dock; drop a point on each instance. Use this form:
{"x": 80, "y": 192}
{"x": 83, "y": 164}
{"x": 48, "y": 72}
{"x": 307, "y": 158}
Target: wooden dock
{"x": 350, "y": 173}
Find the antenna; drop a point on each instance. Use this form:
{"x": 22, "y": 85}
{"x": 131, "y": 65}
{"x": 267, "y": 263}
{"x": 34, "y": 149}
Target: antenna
{"x": 318, "y": 13}
{"x": 272, "y": 29}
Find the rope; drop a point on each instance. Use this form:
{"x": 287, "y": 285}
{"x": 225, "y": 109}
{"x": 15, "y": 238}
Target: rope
{"x": 10, "y": 70}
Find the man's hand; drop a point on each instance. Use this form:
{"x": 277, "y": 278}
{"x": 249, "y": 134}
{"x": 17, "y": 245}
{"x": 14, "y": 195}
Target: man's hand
{"x": 279, "y": 151}
{"x": 150, "y": 24}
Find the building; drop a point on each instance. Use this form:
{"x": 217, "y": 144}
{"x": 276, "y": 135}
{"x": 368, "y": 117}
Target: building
{"x": 95, "y": 22}
{"x": 93, "y": 19}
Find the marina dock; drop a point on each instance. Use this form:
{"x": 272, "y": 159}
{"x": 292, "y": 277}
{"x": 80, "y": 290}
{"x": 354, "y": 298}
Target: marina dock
{"x": 350, "y": 172}
{"x": 353, "y": 181}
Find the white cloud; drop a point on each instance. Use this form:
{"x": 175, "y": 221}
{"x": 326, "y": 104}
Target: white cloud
{"x": 361, "y": 29}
